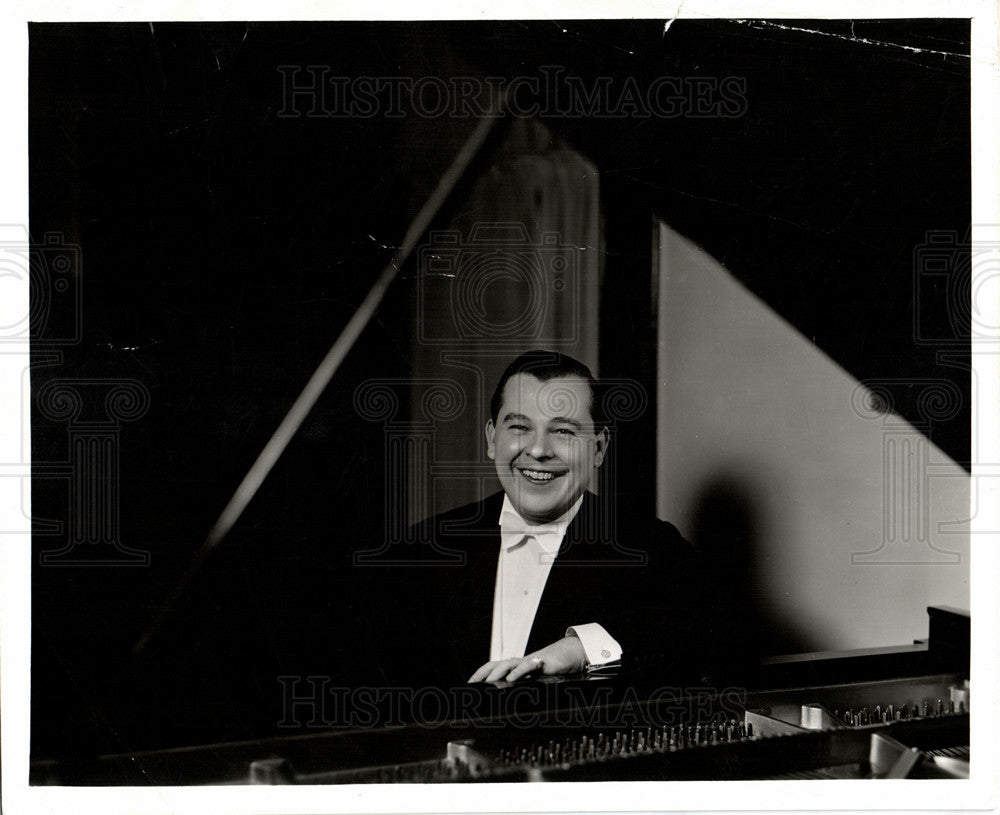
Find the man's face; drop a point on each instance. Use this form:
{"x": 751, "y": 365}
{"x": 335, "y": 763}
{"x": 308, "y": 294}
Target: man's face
{"x": 544, "y": 444}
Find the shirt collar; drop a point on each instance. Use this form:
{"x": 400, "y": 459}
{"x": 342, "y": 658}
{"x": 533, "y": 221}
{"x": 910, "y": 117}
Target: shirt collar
{"x": 513, "y": 527}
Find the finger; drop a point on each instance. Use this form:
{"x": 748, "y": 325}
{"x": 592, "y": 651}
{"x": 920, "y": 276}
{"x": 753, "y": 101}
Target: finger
{"x": 482, "y": 672}
{"x": 501, "y": 670}
{"x": 526, "y": 667}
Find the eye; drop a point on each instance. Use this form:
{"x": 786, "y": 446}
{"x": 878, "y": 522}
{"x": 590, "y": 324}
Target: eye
{"x": 564, "y": 431}
{"x": 518, "y": 428}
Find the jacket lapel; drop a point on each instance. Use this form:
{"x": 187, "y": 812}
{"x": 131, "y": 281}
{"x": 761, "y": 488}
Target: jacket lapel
{"x": 591, "y": 545}
{"x": 472, "y": 587}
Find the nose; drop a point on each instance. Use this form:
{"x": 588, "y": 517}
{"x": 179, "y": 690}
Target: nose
{"x": 540, "y": 447}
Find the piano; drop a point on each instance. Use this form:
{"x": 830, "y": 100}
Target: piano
{"x": 895, "y": 712}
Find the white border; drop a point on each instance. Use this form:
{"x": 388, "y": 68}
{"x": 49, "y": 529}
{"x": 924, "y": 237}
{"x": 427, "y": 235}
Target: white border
{"x": 981, "y": 793}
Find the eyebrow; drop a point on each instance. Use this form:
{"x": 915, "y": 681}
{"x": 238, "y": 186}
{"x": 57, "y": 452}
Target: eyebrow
{"x": 520, "y": 417}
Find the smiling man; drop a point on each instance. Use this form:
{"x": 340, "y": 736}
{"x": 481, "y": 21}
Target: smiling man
{"x": 546, "y": 447}
{"x": 545, "y": 577}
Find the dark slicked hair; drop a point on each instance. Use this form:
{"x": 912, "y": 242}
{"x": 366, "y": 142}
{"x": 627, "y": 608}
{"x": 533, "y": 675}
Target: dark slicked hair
{"x": 546, "y": 365}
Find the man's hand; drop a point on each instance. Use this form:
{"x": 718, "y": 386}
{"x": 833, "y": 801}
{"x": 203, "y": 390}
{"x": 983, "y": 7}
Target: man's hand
{"x": 563, "y": 657}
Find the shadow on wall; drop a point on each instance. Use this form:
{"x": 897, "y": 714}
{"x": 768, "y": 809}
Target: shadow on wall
{"x": 728, "y": 523}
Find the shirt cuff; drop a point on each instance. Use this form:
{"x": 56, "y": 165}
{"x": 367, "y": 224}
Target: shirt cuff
{"x": 599, "y": 646}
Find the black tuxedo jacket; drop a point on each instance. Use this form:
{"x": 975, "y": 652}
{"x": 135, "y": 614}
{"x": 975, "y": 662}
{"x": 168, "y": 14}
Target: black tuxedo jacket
{"x": 639, "y": 579}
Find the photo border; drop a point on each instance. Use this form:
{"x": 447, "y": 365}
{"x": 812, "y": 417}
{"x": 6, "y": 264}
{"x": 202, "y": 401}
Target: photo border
{"x": 978, "y": 793}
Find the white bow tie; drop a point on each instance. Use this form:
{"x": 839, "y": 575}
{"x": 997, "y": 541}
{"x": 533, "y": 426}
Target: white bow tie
{"x": 547, "y": 539}
{"x": 514, "y": 528}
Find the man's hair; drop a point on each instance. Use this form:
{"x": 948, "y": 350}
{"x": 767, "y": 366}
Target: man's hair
{"x": 546, "y": 365}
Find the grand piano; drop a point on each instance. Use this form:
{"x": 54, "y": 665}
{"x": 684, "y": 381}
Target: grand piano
{"x": 896, "y": 712}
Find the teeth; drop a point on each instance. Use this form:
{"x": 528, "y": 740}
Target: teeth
{"x": 537, "y": 475}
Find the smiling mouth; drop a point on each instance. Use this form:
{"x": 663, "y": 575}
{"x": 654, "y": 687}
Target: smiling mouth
{"x": 539, "y": 476}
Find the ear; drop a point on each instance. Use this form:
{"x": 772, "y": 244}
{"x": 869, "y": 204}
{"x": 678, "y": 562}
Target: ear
{"x": 491, "y": 449}
{"x": 602, "y": 439}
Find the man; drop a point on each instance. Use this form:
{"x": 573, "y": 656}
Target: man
{"x": 544, "y": 578}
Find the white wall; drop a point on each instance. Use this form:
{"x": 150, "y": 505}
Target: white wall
{"x": 857, "y": 519}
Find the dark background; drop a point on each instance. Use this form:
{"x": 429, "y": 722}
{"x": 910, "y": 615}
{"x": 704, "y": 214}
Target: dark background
{"x": 223, "y": 247}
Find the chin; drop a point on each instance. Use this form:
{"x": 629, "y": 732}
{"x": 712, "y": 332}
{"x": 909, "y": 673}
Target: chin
{"x": 542, "y": 513}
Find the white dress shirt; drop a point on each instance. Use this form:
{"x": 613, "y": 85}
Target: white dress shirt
{"x": 527, "y": 552}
